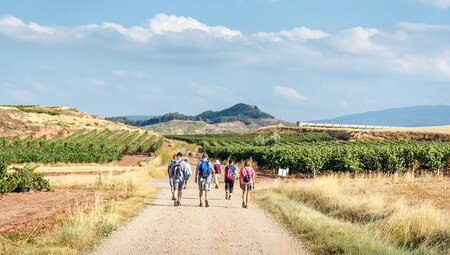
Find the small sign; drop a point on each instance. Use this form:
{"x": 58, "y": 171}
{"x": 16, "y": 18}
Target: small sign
{"x": 283, "y": 172}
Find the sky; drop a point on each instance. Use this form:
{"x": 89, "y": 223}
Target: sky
{"x": 296, "y": 59}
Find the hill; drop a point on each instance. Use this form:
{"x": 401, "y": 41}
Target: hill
{"x": 50, "y": 120}
{"x": 239, "y": 112}
{"x": 415, "y": 116}
{"x": 182, "y": 127}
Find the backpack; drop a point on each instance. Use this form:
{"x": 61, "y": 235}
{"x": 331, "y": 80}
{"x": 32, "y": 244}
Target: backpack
{"x": 178, "y": 170}
{"x": 247, "y": 177}
{"x": 205, "y": 169}
{"x": 229, "y": 173}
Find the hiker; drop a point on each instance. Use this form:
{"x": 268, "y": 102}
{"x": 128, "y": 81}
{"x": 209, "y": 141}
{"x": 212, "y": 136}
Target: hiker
{"x": 178, "y": 171}
{"x": 188, "y": 173}
{"x": 247, "y": 176}
{"x": 217, "y": 172}
{"x": 170, "y": 177}
{"x": 229, "y": 177}
{"x": 203, "y": 177}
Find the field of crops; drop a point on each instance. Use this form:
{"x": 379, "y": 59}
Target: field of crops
{"x": 80, "y": 147}
{"x": 318, "y": 152}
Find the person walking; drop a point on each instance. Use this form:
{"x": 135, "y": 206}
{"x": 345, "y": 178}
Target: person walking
{"x": 247, "y": 176}
{"x": 203, "y": 175}
{"x": 217, "y": 172}
{"x": 178, "y": 171}
{"x": 188, "y": 173}
{"x": 229, "y": 177}
{"x": 170, "y": 176}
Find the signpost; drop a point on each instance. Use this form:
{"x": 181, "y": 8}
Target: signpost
{"x": 283, "y": 172}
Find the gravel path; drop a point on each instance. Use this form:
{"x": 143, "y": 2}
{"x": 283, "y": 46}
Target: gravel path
{"x": 223, "y": 228}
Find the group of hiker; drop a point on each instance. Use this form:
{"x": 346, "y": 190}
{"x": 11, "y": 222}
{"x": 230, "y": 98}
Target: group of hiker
{"x": 179, "y": 172}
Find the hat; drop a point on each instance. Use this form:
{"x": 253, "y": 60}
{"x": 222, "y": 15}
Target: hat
{"x": 179, "y": 154}
{"x": 217, "y": 162}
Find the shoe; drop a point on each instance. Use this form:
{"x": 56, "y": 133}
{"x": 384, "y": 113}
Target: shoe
{"x": 178, "y": 203}
{"x": 226, "y": 196}
{"x": 206, "y": 203}
{"x": 175, "y": 203}
{"x": 184, "y": 187}
{"x": 217, "y": 187}
{"x": 243, "y": 204}
{"x": 229, "y": 197}
{"x": 246, "y": 206}
{"x": 173, "y": 198}
{"x": 201, "y": 205}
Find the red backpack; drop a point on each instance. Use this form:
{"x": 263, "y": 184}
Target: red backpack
{"x": 229, "y": 173}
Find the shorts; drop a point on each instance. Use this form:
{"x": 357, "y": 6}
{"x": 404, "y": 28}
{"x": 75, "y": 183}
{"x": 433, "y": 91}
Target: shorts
{"x": 204, "y": 184}
{"x": 178, "y": 185}
{"x": 248, "y": 186}
{"x": 186, "y": 178}
{"x": 229, "y": 186}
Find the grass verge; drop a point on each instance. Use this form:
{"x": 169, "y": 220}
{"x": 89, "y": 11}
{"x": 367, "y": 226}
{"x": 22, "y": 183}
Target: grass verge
{"x": 346, "y": 216}
{"x": 85, "y": 224}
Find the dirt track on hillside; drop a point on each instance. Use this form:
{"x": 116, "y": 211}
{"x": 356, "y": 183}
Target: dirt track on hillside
{"x": 223, "y": 228}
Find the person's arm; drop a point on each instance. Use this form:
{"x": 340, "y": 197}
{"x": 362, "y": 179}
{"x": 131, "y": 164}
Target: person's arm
{"x": 196, "y": 174}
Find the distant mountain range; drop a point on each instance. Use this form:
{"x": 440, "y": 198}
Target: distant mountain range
{"x": 414, "y": 116}
{"x": 239, "y": 112}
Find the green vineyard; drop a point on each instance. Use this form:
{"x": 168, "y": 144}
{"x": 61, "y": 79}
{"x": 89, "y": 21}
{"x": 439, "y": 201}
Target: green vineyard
{"x": 317, "y": 152}
{"x": 79, "y": 147}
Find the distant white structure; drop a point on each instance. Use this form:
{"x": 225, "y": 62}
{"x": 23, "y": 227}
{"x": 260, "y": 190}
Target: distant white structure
{"x": 327, "y": 125}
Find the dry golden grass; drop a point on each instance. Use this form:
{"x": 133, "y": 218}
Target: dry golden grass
{"x": 85, "y": 224}
{"x": 373, "y": 201}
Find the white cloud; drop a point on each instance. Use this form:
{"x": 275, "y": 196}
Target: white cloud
{"x": 442, "y": 4}
{"x": 163, "y": 23}
{"x": 359, "y": 40}
{"x": 296, "y": 34}
{"x": 422, "y": 27}
{"x": 288, "y": 93}
{"x": 97, "y": 82}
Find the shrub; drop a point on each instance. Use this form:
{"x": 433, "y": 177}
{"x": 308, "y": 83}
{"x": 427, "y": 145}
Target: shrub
{"x": 21, "y": 180}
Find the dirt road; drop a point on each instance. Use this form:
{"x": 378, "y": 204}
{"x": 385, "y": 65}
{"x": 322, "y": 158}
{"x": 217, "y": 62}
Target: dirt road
{"x": 223, "y": 228}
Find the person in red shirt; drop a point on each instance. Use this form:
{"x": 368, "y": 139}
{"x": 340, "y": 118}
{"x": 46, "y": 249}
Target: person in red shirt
{"x": 247, "y": 179}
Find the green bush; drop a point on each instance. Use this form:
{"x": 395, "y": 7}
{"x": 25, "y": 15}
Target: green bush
{"x": 21, "y": 180}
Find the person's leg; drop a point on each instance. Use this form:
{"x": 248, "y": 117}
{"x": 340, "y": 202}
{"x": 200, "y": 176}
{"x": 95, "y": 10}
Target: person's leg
{"x": 243, "y": 197}
{"x": 206, "y": 199}
{"x": 216, "y": 180}
{"x": 231, "y": 189}
{"x": 172, "y": 189}
{"x": 175, "y": 187}
{"x": 246, "y": 198}
{"x": 180, "y": 192}
{"x": 227, "y": 189}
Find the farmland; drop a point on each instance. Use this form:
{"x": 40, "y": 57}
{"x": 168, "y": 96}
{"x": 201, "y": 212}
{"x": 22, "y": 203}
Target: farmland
{"x": 309, "y": 153}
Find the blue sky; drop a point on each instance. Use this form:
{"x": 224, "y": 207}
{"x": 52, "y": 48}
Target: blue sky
{"x": 299, "y": 60}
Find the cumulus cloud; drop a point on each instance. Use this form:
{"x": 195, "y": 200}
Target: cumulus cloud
{"x": 442, "y": 4}
{"x": 296, "y": 34}
{"x": 186, "y": 40}
{"x": 360, "y": 40}
{"x": 288, "y": 93}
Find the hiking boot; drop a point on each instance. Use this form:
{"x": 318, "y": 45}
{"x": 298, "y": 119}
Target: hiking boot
{"x": 178, "y": 203}
{"x": 229, "y": 197}
{"x": 246, "y": 206}
{"x": 201, "y": 204}
{"x": 243, "y": 204}
{"x": 217, "y": 187}
{"x": 226, "y": 196}
{"x": 175, "y": 203}
{"x": 206, "y": 203}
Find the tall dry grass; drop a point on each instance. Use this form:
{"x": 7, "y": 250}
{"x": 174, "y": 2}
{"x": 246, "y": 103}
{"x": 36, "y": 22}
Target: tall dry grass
{"x": 415, "y": 227}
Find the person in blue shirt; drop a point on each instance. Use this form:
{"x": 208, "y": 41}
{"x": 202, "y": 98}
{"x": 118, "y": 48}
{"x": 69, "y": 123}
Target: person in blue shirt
{"x": 203, "y": 176}
{"x": 230, "y": 177}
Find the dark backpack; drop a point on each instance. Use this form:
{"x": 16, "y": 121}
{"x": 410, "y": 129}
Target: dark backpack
{"x": 205, "y": 169}
{"x": 247, "y": 177}
{"x": 229, "y": 173}
{"x": 178, "y": 170}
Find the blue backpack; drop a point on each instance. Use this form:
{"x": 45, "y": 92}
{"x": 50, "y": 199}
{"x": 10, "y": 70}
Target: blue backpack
{"x": 205, "y": 169}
